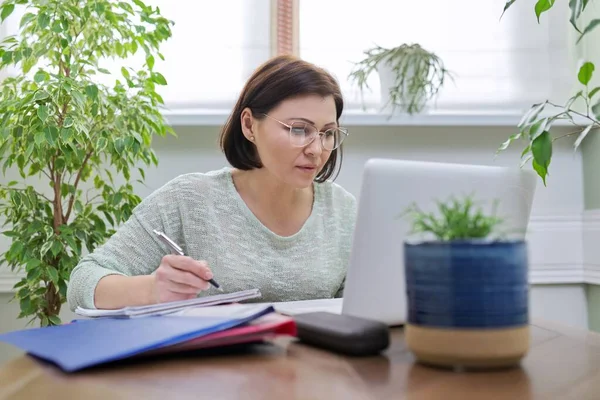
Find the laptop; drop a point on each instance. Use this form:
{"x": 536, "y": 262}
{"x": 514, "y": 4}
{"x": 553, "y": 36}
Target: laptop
{"x": 375, "y": 286}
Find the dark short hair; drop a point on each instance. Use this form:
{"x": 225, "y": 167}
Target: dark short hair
{"x": 276, "y": 80}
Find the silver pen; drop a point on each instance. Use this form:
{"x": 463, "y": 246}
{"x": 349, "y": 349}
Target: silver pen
{"x": 178, "y": 250}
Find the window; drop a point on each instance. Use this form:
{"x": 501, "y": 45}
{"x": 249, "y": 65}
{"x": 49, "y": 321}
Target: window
{"x": 214, "y": 48}
{"x": 497, "y": 64}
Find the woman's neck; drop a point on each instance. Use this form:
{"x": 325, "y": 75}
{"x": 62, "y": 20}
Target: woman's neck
{"x": 281, "y": 208}
{"x": 263, "y": 188}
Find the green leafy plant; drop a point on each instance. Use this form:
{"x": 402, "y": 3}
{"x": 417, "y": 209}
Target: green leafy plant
{"x": 456, "y": 219}
{"x": 61, "y": 128}
{"x": 418, "y": 75}
{"x": 535, "y": 126}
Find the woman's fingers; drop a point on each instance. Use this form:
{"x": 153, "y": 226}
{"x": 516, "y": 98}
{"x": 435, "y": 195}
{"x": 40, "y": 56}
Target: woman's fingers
{"x": 184, "y": 278}
{"x": 184, "y": 263}
{"x": 180, "y": 278}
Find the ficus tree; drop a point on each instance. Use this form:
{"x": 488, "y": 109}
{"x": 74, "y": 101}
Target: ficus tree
{"x": 73, "y": 139}
{"x": 535, "y": 126}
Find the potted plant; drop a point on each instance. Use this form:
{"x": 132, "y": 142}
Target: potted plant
{"x": 410, "y": 76}
{"x": 535, "y": 127}
{"x": 467, "y": 288}
{"x": 73, "y": 141}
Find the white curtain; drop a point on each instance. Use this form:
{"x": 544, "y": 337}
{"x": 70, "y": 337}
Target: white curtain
{"x": 214, "y": 48}
{"x": 499, "y": 64}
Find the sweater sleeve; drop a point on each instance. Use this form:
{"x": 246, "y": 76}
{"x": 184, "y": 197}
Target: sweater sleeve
{"x": 132, "y": 250}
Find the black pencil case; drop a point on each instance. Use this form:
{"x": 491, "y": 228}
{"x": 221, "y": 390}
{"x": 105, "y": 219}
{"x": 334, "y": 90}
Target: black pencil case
{"x": 343, "y": 334}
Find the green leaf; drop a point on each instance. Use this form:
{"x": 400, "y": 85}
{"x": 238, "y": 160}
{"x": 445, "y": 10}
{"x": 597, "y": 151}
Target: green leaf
{"x": 593, "y": 92}
{"x": 7, "y": 9}
{"x": 572, "y": 99}
{"x": 32, "y": 264}
{"x": 68, "y": 122}
{"x": 43, "y": 20}
{"x": 78, "y": 97}
{"x": 158, "y": 78}
{"x": 591, "y": 26}
{"x": 585, "y": 73}
{"x": 41, "y": 76}
{"x": 538, "y": 128}
{"x": 596, "y": 110}
{"x": 576, "y": 7}
{"x": 40, "y": 138}
{"x": 56, "y": 27}
{"x": 51, "y": 134}
{"x": 26, "y": 306}
{"x": 507, "y": 143}
{"x": 150, "y": 61}
{"x": 41, "y": 95}
{"x": 26, "y": 19}
{"x": 54, "y": 320}
{"x": 532, "y": 114}
{"x": 100, "y": 8}
{"x": 582, "y": 136}
{"x": 541, "y": 148}
{"x": 126, "y": 7}
{"x": 542, "y": 172}
{"x": 7, "y": 57}
{"x": 42, "y": 113}
{"x": 542, "y": 6}
{"x": 92, "y": 92}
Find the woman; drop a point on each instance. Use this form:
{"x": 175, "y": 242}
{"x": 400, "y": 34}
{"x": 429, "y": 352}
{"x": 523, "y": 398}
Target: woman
{"x": 272, "y": 221}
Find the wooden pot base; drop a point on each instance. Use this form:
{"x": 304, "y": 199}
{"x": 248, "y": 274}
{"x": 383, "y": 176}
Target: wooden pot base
{"x": 468, "y": 348}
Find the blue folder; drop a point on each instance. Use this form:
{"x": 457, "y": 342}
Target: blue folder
{"x": 90, "y": 342}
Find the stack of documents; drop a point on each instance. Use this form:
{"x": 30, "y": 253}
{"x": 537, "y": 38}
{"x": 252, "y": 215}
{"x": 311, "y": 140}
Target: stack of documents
{"x": 290, "y": 308}
{"x": 170, "y": 307}
{"x": 85, "y": 343}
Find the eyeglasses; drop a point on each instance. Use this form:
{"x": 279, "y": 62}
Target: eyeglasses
{"x": 302, "y": 134}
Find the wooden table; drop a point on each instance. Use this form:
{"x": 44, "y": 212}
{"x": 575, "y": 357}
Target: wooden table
{"x": 563, "y": 363}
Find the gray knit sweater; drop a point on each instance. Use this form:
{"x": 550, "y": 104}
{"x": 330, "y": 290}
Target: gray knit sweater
{"x": 206, "y": 216}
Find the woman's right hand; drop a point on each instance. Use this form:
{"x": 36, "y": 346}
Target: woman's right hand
{"x": 180, "y": 278}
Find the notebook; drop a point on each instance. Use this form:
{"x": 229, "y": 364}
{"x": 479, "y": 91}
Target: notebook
{"x": 85, "y": 343}
{"x": 170, "y": 307}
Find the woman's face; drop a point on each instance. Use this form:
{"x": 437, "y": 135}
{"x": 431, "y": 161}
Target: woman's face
{"x": 284, "y": 157}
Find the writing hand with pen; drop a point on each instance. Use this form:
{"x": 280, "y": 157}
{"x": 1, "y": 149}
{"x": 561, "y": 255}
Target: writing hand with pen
{"x": 180, "y": 277}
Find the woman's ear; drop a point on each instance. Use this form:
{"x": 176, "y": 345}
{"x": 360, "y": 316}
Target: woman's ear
{"x": 247, "y": 122}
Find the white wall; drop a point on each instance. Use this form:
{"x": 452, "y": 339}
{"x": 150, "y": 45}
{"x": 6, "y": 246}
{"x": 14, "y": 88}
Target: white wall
{"x": 555, "y": 233}
{"x": 557, "y": 209}
{"x": 196, "y": 149}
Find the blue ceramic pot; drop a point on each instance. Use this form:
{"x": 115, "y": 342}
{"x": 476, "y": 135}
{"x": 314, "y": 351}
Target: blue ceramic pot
{"x": 467, "y": 284}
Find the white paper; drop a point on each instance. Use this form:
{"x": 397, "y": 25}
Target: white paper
{"x": 305, "y": 306}
{"x": 171, "y": 307}
{"x": 223, "y": 311}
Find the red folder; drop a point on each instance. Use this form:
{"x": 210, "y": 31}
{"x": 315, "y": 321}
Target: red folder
{"x": 261, "y": 329}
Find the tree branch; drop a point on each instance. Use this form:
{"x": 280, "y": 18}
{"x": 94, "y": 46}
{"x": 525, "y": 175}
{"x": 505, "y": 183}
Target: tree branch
{"x": 567, "y": 135}
{"x": 58, "y": 210}
{"x": 76, "y": 184}
{"x": 575, "y": 112}
{"x": 25, "y": 190}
